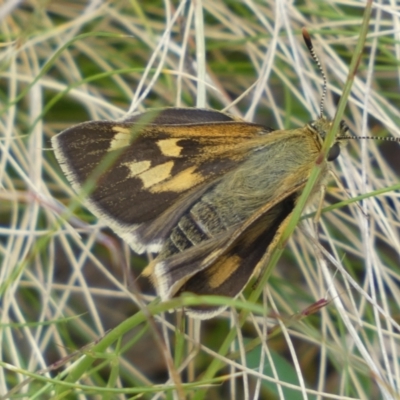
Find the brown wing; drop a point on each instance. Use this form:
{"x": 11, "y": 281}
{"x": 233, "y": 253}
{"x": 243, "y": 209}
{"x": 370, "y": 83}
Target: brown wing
{"x": 225, "y": 264}
{"x": 153, "y": 163}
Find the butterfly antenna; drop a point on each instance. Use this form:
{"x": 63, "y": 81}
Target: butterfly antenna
{"x": 380, "y": 138}
{"x": 307, "y": 40}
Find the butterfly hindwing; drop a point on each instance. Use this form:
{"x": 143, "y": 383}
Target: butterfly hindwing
{"x": 225, "y": 264}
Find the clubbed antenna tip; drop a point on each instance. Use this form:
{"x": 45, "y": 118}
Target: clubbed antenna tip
{"x": 307, "y": 38}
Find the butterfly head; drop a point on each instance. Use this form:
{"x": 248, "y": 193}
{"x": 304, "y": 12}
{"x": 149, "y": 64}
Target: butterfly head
{"x": 320, "y": 128}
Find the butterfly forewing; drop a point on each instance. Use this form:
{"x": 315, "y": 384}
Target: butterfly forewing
{"x": 152, "y": 161}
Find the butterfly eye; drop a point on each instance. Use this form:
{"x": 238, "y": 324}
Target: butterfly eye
{"x": 334, "y": 152}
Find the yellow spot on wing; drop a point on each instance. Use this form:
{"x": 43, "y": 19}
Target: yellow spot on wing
{"x": 179, "y": 182}
{"x": 222, "y": 270}
{"x": 169, "y": 147}
{"x": 136, "y": 168}
{"x": 156, "y": 174}
{"x": 121, "y": 139}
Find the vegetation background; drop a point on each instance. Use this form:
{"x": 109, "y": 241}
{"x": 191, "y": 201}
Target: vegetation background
{"x": 328, "y": 321}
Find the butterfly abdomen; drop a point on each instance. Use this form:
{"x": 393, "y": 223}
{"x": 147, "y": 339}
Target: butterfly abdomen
{"x": 200, "y": 223}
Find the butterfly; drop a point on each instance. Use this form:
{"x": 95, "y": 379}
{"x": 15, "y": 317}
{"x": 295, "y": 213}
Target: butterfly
{"x": 208, "y": 192}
